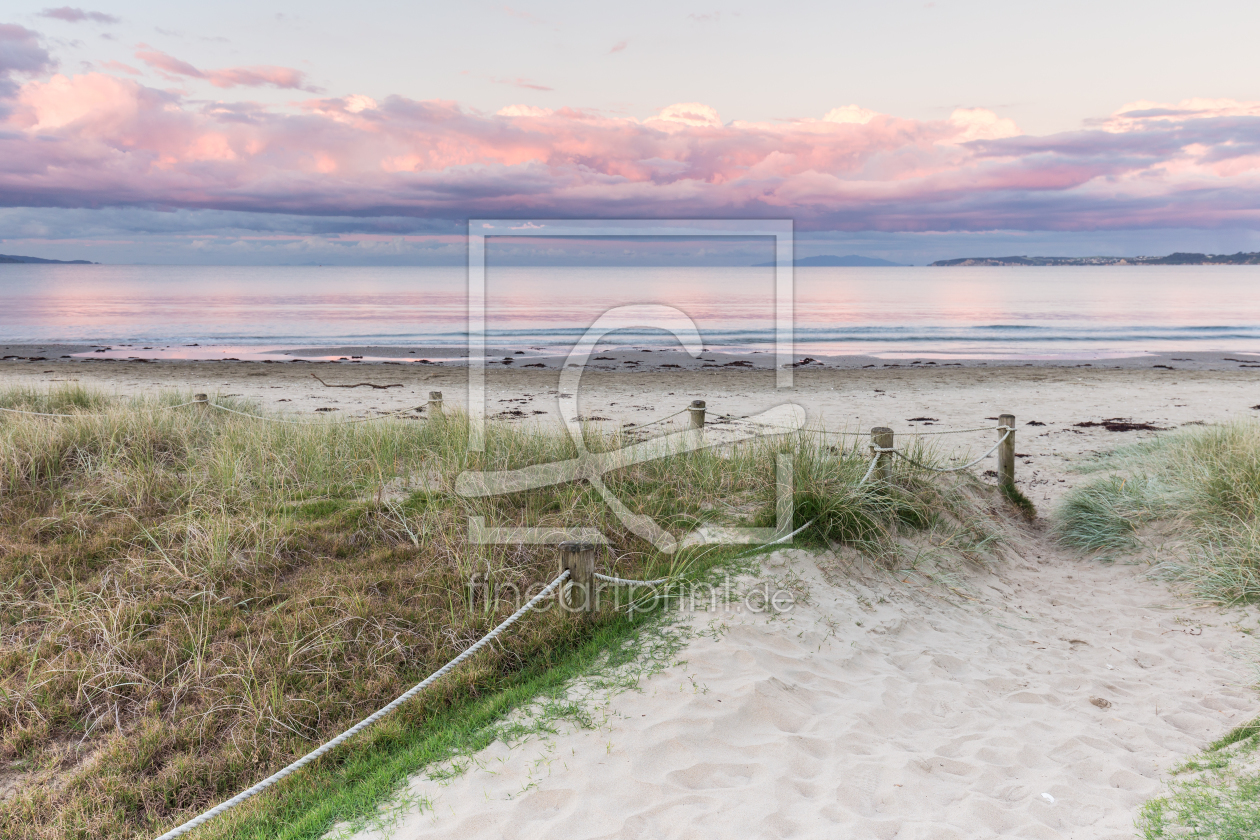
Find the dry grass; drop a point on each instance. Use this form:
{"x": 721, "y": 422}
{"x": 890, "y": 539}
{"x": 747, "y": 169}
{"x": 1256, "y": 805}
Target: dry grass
{"x": 190, "y": 600}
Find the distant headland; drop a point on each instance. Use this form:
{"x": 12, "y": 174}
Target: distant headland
{"x": 831, "y": 261}
{"x": 10, "y": 258}
{"x": 1172, "y": 259}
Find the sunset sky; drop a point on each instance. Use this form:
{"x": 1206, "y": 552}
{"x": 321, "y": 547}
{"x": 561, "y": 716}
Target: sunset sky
{"x": 369, "y": 133}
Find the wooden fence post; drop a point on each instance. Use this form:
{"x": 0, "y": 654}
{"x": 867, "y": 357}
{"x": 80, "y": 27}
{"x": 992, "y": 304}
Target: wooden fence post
{"x": 882, "y": 437}
{"x": 578, "y": 592}
{"x": 203, "y": 401}
{"x": 435, "y": 403}
{"x": 696, "y": 410}
{"x": 1006, "y": 451}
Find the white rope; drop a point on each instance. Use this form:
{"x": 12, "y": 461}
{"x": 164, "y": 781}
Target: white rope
{"x": 653, "y": 422}
{"x": 871, "y": 468}
{"x": 781, "y": 539}
{"x": 616, "y": 581}
{"x": 366, "y": 722}
{"x": 955, "y": 431}
{"x": 1001, "y": 440}
{"x": 43, "y": 414}
{"x": 859, "y": 434}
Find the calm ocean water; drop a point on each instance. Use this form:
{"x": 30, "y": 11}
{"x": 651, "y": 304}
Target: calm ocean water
{"x": 962, "y": 312}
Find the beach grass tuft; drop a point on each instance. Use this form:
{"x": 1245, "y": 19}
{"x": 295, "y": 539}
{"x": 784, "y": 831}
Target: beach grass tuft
{"x": 190, "y": 599}
{"x": 1200, "y": 487}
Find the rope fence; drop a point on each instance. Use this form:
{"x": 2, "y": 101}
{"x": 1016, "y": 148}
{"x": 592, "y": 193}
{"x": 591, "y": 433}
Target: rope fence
{"x": 629, "y": 426}
{"x": 696, "y": 409}
{"x": 900, "y": 454}
{"x": 46, "y": 414}
{"x": 205, "y": 817}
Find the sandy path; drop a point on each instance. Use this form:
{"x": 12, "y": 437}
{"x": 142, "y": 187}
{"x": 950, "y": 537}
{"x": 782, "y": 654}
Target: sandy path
{"x": 874, "y": 713}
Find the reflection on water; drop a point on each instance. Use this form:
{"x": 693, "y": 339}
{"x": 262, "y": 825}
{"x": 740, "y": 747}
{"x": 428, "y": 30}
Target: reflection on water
{"x": 987, "y": 312}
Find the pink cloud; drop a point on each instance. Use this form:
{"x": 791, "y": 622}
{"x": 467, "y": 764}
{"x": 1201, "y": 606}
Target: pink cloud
{"x": 119, "y": 142}
{"x": 260, "y": 76}
{"x": 228, "y": 77}
{"x": 168, "y": 64}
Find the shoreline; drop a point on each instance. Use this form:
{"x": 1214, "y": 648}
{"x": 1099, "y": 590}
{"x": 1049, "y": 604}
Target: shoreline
{"x": 619, "y": 358}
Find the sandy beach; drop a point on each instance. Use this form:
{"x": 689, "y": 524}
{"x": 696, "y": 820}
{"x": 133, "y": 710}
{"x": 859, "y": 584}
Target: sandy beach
{"x": 1045, "y": 698}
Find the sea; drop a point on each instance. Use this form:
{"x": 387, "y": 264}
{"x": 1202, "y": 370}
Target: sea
{"x": 958, "y": 312}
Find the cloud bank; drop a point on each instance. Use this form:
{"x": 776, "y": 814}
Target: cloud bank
{"x": 98, "y": 139}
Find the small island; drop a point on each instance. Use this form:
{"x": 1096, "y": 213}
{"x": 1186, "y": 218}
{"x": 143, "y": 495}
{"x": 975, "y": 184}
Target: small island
{"x": 12, "y": 259}
{"x": 1178, "y": 258}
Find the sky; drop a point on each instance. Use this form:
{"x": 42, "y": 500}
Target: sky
{"x": 241, "y": 133}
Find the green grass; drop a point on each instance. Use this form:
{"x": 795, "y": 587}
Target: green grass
{"x": 190, "y": 600}
{"x": 1214, "y": 796}
{"x": 1019, "y": 501}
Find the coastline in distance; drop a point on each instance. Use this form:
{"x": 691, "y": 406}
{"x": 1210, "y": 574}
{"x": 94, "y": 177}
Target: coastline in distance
{"x": 831, "y": 260}
{"x": 1178, "y": 258}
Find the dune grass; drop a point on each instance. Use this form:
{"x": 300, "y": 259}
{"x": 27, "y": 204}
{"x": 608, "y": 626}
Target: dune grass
{"x": 1202, "y": 487}
{"x": 191, "y": 599}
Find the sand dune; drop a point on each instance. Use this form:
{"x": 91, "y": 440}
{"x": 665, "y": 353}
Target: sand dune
{"x": 1046, "y": 704}
{"x": 1047, "y": 707}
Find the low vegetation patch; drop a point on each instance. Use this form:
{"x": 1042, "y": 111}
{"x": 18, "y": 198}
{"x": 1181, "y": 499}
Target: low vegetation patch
{"x": 191, "y": 599}
{"x": 1201, "y": 488}
{"x": 1214, "y": 796}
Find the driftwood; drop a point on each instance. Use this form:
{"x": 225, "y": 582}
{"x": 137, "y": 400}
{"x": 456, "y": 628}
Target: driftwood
{"x": 358, "y": 385}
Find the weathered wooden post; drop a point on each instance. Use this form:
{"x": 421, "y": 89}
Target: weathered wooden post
{"x": 882, "y": 438}
{"x": 203, "y": 401}
{"x": 435, "y": 403}
{"x": 696, "y": 410}
{"x": 1006, "y": 450}
{"x": 578, "y": 592}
